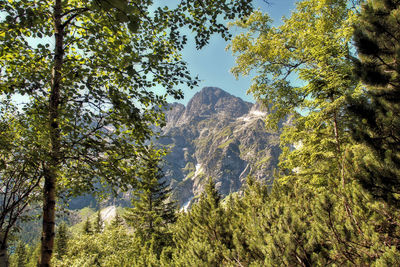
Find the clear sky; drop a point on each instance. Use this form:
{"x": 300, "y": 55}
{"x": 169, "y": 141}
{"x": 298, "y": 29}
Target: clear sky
{"x": 213, "y": 63}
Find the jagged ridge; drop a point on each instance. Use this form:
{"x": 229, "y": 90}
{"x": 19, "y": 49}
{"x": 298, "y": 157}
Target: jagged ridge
{"x": 220, "y": 136}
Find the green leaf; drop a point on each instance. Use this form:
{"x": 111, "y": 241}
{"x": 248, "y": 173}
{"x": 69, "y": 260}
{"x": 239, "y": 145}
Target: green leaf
{"x": 133, "y": 24}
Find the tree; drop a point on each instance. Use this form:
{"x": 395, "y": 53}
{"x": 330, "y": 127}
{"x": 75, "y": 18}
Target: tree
{"x": 152, "y": 210}
{"x": 377, "y": 119}
{"x": 244, "y": 213}
{"x": 304, "y": 72}
{"x": 202, "y": 236}
{"x": 87, "y": 227}
{"x": 20, "y": 256}
{"x": 322, "y": 216}
{"x": 116, "y": 222}
{"x": 20, "y": 172}
{"x": 91, "y": 87}
{"x": 98, "y": 227}
{"x": 61, "y": 240}
{"x": 112, "y": 247}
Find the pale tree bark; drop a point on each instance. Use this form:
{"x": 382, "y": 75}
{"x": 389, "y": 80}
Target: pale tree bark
{"x": 49, "y": 192}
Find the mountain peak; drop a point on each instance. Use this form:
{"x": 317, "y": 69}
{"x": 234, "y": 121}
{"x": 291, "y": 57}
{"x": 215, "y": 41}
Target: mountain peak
{"x": 216, "y": 135}
{"x": 214, "y": 92}
{"x": 213, "y": 100}
{"x": 208, "y": 96}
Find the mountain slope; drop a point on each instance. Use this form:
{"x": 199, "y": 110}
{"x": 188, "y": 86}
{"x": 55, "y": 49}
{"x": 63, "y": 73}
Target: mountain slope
{"x": 220, "y": 136}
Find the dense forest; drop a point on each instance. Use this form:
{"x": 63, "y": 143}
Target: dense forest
{"x": 79, "y": 113}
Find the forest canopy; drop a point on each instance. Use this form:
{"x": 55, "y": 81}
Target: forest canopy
{"x": 87, "y": 71}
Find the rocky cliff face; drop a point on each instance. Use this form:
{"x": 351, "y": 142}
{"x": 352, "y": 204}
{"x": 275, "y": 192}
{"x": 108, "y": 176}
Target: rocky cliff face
{"x": 220, "y": 136}
{"x": 216, "y": 135}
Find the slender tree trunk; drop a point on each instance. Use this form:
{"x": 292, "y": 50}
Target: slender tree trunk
{"x": 49, "y": 193}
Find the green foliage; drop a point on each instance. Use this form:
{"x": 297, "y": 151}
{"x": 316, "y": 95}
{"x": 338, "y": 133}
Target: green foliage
{"x": 336, "y": 200}
{"x": 244, "y": 215}
{"x": 98, "y": 224}
{"x": 377, "y": 121}
{"x": 105, "y": 44}
{"x": 25, "y": 255}
{"x": 20, "y": 256}
{"x": 61, "y": 240}
{"x": 86, "y": 212}
{"x": 116, "y": 222}
{"x": 113, "y": 247}
{"x": 152, "y": 211}
{"x": 304, "y": 72}
{"x": 201, "y": 236}
{"x": 34, "y": 255}
{"x": 316, "y": 213}
{"x": 90, "y": 91}
{"x": 20, "y": 171}
{"x": 87, "y": 227}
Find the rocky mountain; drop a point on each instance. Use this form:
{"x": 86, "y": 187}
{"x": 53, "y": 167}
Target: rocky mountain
{"x": 216, "y": 135}
{"x": 220, "y": 136}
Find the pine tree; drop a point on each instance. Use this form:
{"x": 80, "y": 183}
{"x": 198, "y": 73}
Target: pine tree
{"x": 33, "y": 255}
{"x": 377, "y": 120}
{"x": 202, "y": 236}
{"x": 152, "y": 211}
{"x": 87, "y": 227}
{"x": 20, "y": 257}
{"x": 62, "y": 239}
{"x": 98, "y": 227}
{"x": 116, "y": 222}
{"x": 244, "y": 216}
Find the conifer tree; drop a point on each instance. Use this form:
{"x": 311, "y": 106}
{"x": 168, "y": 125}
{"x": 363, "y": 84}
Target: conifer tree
{"x": 33, "y": 255}
{"x": 202, "y": 236}
{"x": 62, "y": 239}
{"x": 116, "y": 222}
{"x": 87, "y": 227}
{"x": 20, "y": 257}
{"x": 98, "y": 227}
{"x": 244, "y": 215}
{"x": 377, "y": 120}
{"x": 152, "y": 211}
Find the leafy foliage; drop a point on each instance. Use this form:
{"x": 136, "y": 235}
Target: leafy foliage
{"x": 304, "y": 72}
{"x": 377, "y": 120}
{"x": 335, "y": 200}
{"x": 153, "y": 211}
{"x": 20, "y": 170}
{"x": 91, "y": 91}
{"x": 202, "y": 236}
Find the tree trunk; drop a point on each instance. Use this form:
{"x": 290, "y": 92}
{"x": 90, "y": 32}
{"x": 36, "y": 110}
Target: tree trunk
{"x": 3, "y": 255}
{"x": 49, "y": 191}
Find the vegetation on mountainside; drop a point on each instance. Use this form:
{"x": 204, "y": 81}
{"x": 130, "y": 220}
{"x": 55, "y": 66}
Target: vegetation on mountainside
{"x": 335, "y": 198}
{"x": 88, "y": 71}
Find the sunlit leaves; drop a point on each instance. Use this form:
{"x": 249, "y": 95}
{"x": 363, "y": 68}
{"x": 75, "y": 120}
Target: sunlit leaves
{"x": 303, "y": 73}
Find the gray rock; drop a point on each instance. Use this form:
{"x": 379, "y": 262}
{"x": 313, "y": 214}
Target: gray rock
{"x": 220, "y": 136}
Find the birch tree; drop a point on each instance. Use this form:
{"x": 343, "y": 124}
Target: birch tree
{"x": 89, "y": 70}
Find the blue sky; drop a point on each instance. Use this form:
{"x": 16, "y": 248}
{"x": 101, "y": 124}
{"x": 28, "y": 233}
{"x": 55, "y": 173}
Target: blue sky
{"x": 213, "y": 63}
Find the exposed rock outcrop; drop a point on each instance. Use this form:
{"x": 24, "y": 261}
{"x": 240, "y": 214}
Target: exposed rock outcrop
{"x": 220, "y": 136}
